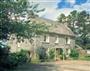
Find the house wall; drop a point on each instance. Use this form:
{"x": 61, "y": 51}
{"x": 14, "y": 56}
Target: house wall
{"x": 52, "y": 38}
{"x": 17, "y": 46}
{"x": 39, "y": 42}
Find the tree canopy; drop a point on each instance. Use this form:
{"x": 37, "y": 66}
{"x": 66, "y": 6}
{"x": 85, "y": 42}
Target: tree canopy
{"x": 15, "y": 19}
{"x": 79, "y": 23}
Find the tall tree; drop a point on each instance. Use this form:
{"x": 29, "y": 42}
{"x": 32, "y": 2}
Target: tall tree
{"x": 82, "y": 26}
{"x": 15, "y": 18}
{"x": 79, "y": 23}
{"x": 62, "y": 18}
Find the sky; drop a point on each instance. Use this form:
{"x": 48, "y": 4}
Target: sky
{"x": 53, "y": 8}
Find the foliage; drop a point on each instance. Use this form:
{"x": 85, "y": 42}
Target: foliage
{"x": 4, "y": 54}
{"x": 85, "y": 57}
{"x": 79, "y": 23}
{"x": 87, "y": 46}
{"x": 11, "y": 60}
{"x": 19, "y": 57}
{"x": 15, "y": 19}
{"x": 74, "y": 54}
{"x": 14, "y": 59}
{"x": 62, "y": 18}
{"x": 42, "y": 53}
{"x": 51, "y": 54}
{"x": 63, "y": 57}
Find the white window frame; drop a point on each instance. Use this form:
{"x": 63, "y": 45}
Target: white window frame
{"x": 47, "y": 38}
{"x": 18, "y": 44}
{"x": 68, "y": 40}
{"x": 57, "y": 40}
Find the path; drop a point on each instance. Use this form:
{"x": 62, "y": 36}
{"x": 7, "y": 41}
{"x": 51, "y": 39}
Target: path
{"x": 57, "y": 66}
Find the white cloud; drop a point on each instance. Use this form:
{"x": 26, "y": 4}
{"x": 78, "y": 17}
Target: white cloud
{"x": 51, "y": 11}
{"x": 50, "y": 8}
{"x": 54, "y": 13}
{"x": 46, "y": 3}
{"x": 85, "y": 6}
{"x": 71, "y": 1}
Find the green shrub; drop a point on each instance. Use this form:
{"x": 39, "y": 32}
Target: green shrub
{"x": 5, "y": 60}
{"x": 87, "y": 46}
{"x": 63, "y": 56}
{"x": 4, "y": 53}
{"x": 19, "y": 57}
{"x": 51, "y": 54}
{"x": 74, "y": 54}
{"x": 10, "y": 60}
{"x": 41, "y": 52}
{"x": 22, "y": 56}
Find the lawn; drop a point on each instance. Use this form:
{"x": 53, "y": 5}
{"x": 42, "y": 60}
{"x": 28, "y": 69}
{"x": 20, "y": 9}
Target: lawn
{"x": 85, "y": 57}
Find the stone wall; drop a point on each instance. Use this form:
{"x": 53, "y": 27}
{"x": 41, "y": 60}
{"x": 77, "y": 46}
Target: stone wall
{"x": 52, "y": 38}
{"x": 38, "y": 41}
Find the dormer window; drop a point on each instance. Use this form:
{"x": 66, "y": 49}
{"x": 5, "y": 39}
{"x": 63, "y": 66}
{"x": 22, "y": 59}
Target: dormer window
{"x": 57, "y": 40}
{"x": 46, "y": 39}
{"x": 68, "y": 40}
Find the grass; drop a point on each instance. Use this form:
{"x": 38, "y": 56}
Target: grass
{"x": 85, "y": 57}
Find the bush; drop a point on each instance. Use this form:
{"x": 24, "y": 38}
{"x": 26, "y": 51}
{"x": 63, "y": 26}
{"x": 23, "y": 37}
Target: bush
{"x": 63, "y": 56}
{"x": 4, "y": 53}
{"x": 14, "y": 59}
{"x": 87, "y": 46}
{"x": 74, "y": 54}
{"x": 5, "y": 62}
{"x": 22, "y": 56}
{"x": 19, "y": 57}
{"x": 51, "y": 54}
{"x": 41, "y": 53}
{"x": 10, "y": 60}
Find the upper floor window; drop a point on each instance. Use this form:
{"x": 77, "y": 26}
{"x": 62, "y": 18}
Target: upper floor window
{"x": 68, "y": 40}
{"x": 18, "y": 44}
{"x": 46, "y": 39}
{"x": 57, "y": 40}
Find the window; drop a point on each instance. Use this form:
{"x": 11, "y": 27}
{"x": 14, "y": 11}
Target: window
{"x": 68, "y": 40}
{"x": 46, "y": 39}
{"x": 18, "y": 44}
{"x": 69, "y": 51}
{"x": 57, "y": 40}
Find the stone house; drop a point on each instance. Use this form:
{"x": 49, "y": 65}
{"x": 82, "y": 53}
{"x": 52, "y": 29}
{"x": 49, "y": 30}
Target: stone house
{"x": 59, "y": 36}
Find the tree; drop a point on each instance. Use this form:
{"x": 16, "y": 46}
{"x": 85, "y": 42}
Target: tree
{"x": 62, "y": 18}
{"x": 15, "y": 19}
{"x": 11, "y": 14}
{"x": 82, "y": 26}
{"x": 72, "y": 19}
{"x": 79, "y": 23}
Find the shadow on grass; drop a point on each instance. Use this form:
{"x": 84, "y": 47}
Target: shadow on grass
{"x": 37, "y": 67}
